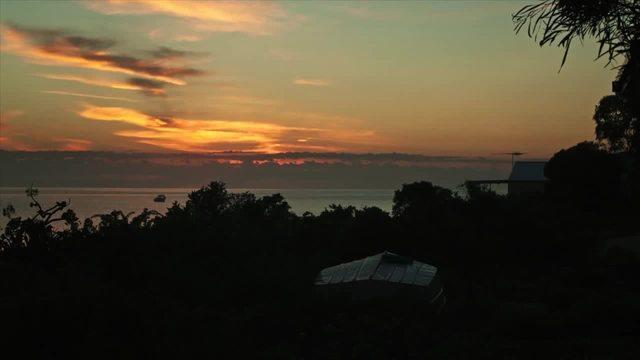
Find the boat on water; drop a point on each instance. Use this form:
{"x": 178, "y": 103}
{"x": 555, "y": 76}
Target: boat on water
{"x": 160, "y": 198}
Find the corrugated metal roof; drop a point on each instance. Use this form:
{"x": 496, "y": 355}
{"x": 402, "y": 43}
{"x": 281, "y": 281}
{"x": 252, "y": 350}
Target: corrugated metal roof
{"x": 528, "y": 171}
{"x": 385, "y": 266}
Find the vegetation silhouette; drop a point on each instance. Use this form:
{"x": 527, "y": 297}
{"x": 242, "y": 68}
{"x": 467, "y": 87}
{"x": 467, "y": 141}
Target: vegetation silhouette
{"x": 526, "y": 276}
{"x": 234, "y": 272}
{"x": 586, "y": 175}
{"x": 614, "y": 123}
{"x": 614, "y": 24}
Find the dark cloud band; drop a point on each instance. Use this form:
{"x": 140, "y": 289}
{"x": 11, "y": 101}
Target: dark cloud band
{"x": 64, "y": 47}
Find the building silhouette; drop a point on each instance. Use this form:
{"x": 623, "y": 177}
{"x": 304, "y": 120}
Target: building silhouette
{"x": 526, "y": 177}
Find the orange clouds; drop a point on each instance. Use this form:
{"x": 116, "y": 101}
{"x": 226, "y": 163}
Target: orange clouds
{"x": 54, "y": 47}
{"x": 60, "y": 92}
{"x": 10, "y": 115}
{"x": 220, "y": 135}
{"x": 255, "y": 18}
{"x": 6, "y": 142}
{"x": 121, "y": 114}
{"x": 35, "y": 144}
{"x": 153, "y": 88}
{"x": 192, "y": 135}
{"x": 15, "y": 138}
{"x": 71, "y": 144}
{"x": 312, "y": 82}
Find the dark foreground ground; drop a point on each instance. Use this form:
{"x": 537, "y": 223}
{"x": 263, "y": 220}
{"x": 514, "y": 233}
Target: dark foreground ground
{"x": 231, "y": 275}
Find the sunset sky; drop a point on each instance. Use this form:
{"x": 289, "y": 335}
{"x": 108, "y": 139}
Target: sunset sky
{"x": 432, "y": 78}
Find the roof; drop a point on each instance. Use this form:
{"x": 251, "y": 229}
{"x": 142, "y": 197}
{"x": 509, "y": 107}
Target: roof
{"x": 386, "y": 266}
{"x": 528, "y": 171}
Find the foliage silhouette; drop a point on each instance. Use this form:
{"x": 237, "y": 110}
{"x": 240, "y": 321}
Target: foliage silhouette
{"x": 234, "y": 272}
{"x": 613, "y": 23}
{"x": 586, "y": 175}
{"x": 614, "y": 123}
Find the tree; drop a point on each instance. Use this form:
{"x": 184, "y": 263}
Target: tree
{"x": 614, "y": 123}
{"x": 36, "y": 232}
{"x": 584, "y": 175}
{"x": 613, "y": 23}
{"x": 423, "y": 200}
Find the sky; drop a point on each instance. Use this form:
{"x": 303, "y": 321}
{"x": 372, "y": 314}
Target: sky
{"x": 431, "y": 78}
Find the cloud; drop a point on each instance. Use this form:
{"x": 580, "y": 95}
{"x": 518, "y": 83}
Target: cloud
{"x": 15, "y": 138}
{"x": 187, "y": 38}
{"x": 244, "y": 170}
{"x": 5, "y": 118}
{"x": 121, "y": 114}
{"x": 10, "y": 115}
{"x": 146, "y": 86}
{"x": 57, "y": 47}
{"x": 206, "y": 135}
{"x": 8, "y": 143}
{"x": 72, "y": 144}
{"x": 164, "y": 33}
{"x": 311, "y": 82}
{"x": 7, "y": 140}
{"x": 20, "y": 142}
{"x": 165, "y": 53}
{"x": 254, "y": 18}
{"x": 60, "y": 92}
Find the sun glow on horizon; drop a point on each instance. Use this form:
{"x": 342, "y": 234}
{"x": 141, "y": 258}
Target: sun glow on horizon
{"x": 271, "y": 77}
{"x": 209, "y": 135}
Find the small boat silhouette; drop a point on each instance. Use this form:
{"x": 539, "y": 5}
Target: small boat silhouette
{"x": 160, "y": 198}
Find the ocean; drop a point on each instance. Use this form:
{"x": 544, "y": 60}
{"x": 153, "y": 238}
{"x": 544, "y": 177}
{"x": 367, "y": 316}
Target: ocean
{"x": 87, "y": 202}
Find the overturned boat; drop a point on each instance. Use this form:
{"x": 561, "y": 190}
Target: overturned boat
{"x": 383, "y": 276}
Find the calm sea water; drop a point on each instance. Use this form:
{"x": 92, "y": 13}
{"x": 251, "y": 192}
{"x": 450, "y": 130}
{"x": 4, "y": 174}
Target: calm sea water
{"x": 87, "y": 202}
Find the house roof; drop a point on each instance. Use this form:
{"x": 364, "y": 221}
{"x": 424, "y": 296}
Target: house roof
{"x": 528, "y": 171}
{"x": 385, "y": 266}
